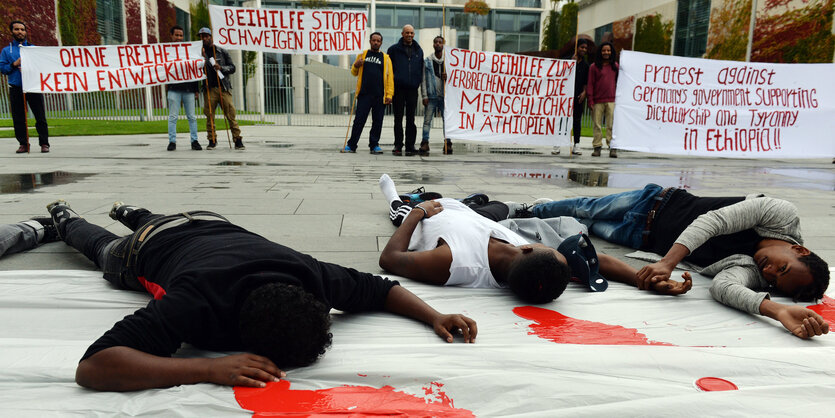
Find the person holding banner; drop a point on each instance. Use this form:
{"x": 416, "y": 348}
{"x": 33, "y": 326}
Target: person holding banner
{"x": 10, "y": 65}
{"x": 407, "y": 61}
{"x": 220, "y": 287}
{"x": 747, "y": 244}
{"x": 601, "y": 88}
{"x": 581, "y": 78}
{"x": 432, "y": 90}
{"x": 184, "y": 93}
{"x": 218, "y": 68}
{"x": 375, "y": 87}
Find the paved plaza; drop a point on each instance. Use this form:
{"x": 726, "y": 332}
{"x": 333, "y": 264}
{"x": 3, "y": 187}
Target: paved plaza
{"x": 293, "y": 186}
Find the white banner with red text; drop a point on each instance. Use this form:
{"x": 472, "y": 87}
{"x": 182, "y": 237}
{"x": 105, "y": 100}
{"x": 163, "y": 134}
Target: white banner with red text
{"x": 289, "y": 31}
{"x": 691, "y": 106}
{"x": 508, "y": 98}
{"x": 77, "y": 69}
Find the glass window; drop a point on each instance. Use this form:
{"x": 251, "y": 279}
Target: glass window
{"x": 432, "y": 18}
{"x": 109, "y": 22}
{"x": 529, "y": 23}
{"x": 529, "y": 3}
{"x": 407, "y": 17}
{"x": 385, "y": 17}
{"x": 505, "y": 22}
{"x": 528, "y": 43}
{"x": 691, "y": 28}
{"x": 506, "y": 42}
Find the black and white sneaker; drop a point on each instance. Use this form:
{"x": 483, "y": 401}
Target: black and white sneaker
{"x": 61, "y": 212}
{"x": 120, "y": 211}
{"x": 50, "y": 233}
{"x": 398, "y": 212}
{"x": 518, "y": 210}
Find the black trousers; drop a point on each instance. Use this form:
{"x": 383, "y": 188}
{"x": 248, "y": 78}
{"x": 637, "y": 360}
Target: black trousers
{"x": 405, "y": 98}
{"x": 365, "y": 104}
{"x": 578, "y": 118}
{"x": 36, "y": 103}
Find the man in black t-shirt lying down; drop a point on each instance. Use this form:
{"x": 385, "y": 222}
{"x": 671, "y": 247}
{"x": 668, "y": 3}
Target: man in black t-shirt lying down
{"x": 747, "y": 244}
{"x": 220, "y": 287}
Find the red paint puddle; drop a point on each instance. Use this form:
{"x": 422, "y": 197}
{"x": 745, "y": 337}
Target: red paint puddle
{"x": 826, "y": 309}
{"x": 277, "y": 399}
{"x": 554, "y": 326}
{"x": 715, "y": 384}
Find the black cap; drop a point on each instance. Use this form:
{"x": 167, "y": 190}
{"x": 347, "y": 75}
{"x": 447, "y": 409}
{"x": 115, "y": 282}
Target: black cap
{"x": 582, "y": 260}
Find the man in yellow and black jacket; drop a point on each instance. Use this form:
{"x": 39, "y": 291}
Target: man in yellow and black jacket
{"x": 375, "y": 88}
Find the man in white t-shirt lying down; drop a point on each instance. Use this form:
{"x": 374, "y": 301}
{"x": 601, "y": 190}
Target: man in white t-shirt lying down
{"x": 445, "y": 242}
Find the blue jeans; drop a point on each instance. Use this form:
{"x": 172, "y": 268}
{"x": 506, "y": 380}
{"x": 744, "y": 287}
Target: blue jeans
{"x": 174, "y": 100}
{"x": 620, "y": 218}
{"x": 436, "y": 104}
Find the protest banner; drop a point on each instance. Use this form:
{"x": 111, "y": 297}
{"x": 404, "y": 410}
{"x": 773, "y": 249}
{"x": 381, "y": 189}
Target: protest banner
{"x": 76, "y": 69}
{"x": 290, "y": 31}
{"x": 691, "y": 106}
{"x": 510, "y": 98}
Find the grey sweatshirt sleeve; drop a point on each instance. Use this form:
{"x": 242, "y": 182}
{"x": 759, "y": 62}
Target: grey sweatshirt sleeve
{"x": 733, "y": 287}
{"x": 769, "y": 217}
{"x": 423, "y": 81}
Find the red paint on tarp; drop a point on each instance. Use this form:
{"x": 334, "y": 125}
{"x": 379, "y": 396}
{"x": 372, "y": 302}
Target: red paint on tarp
{"x": 556, "y": 327}
{"x": 715, "y": 384}
{"x": 277, "y": 399}
{"x": 826, "y": 309}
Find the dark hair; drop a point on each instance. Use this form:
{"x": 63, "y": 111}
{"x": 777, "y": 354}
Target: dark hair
{"x": 439, "y": 36}
{"x": 376, "y": 33}
{"x": 598, "y": 58}
{"x": 285, "y": 324}
{"x": 175, "y": 27}
{"x": 820, "y": 278}
{"x": 15, "y": 22}
{"x": 538, "y": 277}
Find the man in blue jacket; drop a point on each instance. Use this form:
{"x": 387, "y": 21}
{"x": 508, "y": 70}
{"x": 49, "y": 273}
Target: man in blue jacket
{"x": 407, "y": 62}
{"x": 10, "y": 65}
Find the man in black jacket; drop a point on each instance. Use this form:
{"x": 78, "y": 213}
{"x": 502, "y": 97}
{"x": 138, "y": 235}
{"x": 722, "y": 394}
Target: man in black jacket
{"x": 218, "y": 68}
{"x": 407, "y": 62}
{"x": 220, "y": 287}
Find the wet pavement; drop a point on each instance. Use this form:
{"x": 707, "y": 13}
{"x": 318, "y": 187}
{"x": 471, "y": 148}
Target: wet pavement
{"x": 293, "y": 185}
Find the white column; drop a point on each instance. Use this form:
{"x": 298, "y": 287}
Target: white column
{"x": 751, "y": 23}
{"x": 316, "y": 90}
{"x": 298, "y": 83}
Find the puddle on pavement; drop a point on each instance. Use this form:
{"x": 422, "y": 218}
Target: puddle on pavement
{"x": 248, "y": 164}
{"x": 274, "y": 144}
{"x": 16, "y": 183}
{"x": 799, "y": 178}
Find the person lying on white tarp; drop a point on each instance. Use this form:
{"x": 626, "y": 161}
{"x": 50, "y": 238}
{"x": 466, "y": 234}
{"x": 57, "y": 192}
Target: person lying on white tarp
{"x": 220, "y": 287}
{"x": 445, "y": 242}
{"x": 747, "y": 244}
{"x": 26, "y": 235}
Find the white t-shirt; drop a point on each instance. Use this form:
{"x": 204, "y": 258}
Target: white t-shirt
{"x": 467, "y": 234}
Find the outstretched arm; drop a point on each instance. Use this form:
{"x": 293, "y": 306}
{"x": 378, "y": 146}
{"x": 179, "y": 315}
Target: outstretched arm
{"x": 406, "y": 303}
{"x": 425, "y": 266}
{"x": 125, "y": 369}
{"x": 800, "y": 321}
{"x": 614, "y": 269}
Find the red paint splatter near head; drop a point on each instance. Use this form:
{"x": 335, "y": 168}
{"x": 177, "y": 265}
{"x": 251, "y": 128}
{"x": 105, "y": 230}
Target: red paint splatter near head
{"x": 826, "y": 309}
{"x": 277, "y": 399}
{"x": 556, "y": 327}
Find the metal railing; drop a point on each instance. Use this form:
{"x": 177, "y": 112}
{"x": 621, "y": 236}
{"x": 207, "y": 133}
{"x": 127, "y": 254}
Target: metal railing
{"x": 282, "y": 106}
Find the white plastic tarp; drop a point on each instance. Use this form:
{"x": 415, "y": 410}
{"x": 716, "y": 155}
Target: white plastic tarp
{"x": 49, "y": 318}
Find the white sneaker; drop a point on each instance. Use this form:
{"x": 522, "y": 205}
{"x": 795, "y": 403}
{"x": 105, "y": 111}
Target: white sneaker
{"x": 555, "y": 151}
{"x": 542, "y": 200}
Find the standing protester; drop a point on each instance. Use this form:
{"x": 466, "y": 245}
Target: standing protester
{"x": 603, "y": 79}
{"x": 217, "y": 77}
{"x": 375, "y": 87}
{"x": 10, "y": 65}
{"x": 407, "y": 61}
{"x": 581, "y": 77}
{"x": 184, "y": 93}
{"x": 432, "y": 90}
